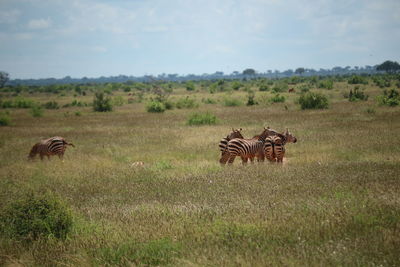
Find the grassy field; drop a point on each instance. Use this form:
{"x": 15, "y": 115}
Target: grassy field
{"x": 334, "y": 201}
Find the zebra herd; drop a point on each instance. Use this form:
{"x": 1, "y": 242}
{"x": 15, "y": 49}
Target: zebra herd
{"x": 269, "y": 144}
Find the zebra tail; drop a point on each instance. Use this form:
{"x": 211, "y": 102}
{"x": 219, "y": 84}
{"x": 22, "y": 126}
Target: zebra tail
{"x": 70, "y": 144}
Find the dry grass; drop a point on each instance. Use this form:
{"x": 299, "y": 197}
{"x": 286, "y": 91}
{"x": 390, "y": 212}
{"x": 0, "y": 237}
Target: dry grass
{"x": 334, "y": 201}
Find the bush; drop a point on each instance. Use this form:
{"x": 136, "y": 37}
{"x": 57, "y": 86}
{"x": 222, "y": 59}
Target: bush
{"x": 326, "y": 84}
{"x": 313, "y": 101}
{"x": 356, "y": 79}
{"x": 202, "y": 118}
{"x": 186, "y": 103}
{"x": 280, "y": 87}
{"x": 101, "y": 103}
{"x": 236, "y": 85}
{"x": 304, "y": 88}
{"x": 263, "y": 88}
{"x": 155, "y": 106}
{"x": 51, "y": 105}
{"x": 36, "y": 215}
{"x": 37, "y": 111}
{"x": 389, "y": 98}
{"x": 231, "y": 102}
{"x": 209, "y": 101}
{"x": 5, "y": 120}
{"x": 357, "y": 94}
{"x": 277, "y": 99}
{"x": 250, "y": 99}
{"x": 190, "y": 86}
{"x": 18, "y": 102}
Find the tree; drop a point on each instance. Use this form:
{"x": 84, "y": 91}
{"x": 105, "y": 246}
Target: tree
{"x": 249, "y": 72}
{"x": 300, "y": 71}
{"x": 389, "y": 66}
{"x": 101, "y": 103}
{"x": 4, "y": 77}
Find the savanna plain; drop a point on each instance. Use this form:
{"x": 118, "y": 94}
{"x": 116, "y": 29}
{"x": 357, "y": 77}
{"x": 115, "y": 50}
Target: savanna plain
{"x": 335, "y": 200}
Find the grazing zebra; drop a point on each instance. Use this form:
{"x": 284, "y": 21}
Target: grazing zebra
{"x": 52, "y": 146}
{"x": 245, "y": 148}
{"x": 274, "y": 147}
{"x": 224, "y": 141}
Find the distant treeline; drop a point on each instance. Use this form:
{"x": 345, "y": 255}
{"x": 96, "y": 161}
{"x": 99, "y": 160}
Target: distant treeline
{"x": 246, "y": 74}
{"x": 387, "y": 66}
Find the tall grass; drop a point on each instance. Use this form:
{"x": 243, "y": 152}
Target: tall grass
{"x": 334, "y": 200}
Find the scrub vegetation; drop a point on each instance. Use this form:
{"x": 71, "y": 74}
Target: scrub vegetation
{"x": 334, "y": 200}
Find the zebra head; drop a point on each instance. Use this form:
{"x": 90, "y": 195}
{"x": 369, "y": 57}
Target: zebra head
{"x": 34, "y": 151}
{"x": 235, "y": 134}
{"x": 290, "y": 138}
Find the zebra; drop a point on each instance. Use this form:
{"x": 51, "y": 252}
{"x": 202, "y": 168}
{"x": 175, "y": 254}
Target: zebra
{"x": 246, "y": 148}
{"x": 224, "y": 141}
{"x": 48, "y": 147}
{"x": 274, "y": 147}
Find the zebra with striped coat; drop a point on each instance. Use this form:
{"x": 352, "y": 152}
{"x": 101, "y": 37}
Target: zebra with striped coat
{"x": 224, "y": 141}
{"x": 49, "y": 147}
{"x": 274, "y": 147}
{"x": 245, "y": 148}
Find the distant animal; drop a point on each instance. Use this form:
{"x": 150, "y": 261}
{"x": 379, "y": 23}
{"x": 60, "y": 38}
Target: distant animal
{"x": 274, "y": 147}
{"x": 224, "y": 141}
{"x": 137, "y": 164}
{"x": 245, "y": 148}
{"x": 291, "y": 90}
{"x": 52, "y": 146}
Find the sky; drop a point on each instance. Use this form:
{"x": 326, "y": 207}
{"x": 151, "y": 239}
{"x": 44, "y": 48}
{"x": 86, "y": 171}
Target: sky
{"x": 93, "y": 38}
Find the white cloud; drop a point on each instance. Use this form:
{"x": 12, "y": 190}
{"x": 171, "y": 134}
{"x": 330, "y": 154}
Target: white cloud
{"x": 9, "y": 16}
{"x": 37, "y": 24}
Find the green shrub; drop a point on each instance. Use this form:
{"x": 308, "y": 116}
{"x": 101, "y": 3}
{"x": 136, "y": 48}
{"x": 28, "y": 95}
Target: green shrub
{"x": 326, "y": 84}
{"x": 155, "y": 106}
{"x": 250, "y": 99}
{"x": 263, "y": 88}
{"x": 186, "y": 103}
{"x": 37, "y": 111}
{"x": 389, "y": 98}
{"x": 277, "y": 99}
{"x": 101, "y": 103}
{"x": 78, "y": 113}
{"x": 190, "y": 86}
{"x": 51, "y": 105}
{"x": 356, "y": 79}
{"x": 357, "y": 94}
{"x": 280, "y": 87}
{"x": 313, "y": 101}
{"x": 36, "y": 215}
{"x": 209, "y": 101}
{"x": 231, "y": 102}
{"x": 202, "y": 118}
{"x": 18, "y": 102}
{"x": 304, "y": 88}
{"x": 236, "y": 85}
{"x": 5, "y": 119}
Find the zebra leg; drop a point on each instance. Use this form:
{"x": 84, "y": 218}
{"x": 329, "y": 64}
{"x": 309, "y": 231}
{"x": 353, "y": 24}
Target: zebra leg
{"x": 252, "y": 160}
{"x": 231, "y": 158}
{"x": 244, "y": 160}
{"x": 224, "y": 158}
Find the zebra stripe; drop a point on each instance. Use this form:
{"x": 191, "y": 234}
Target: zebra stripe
{"x": 224, "y": 141}
{"x": 245, "y": 148}
{"x": 274, "y": 147}
{"x": 49, "y": 147}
